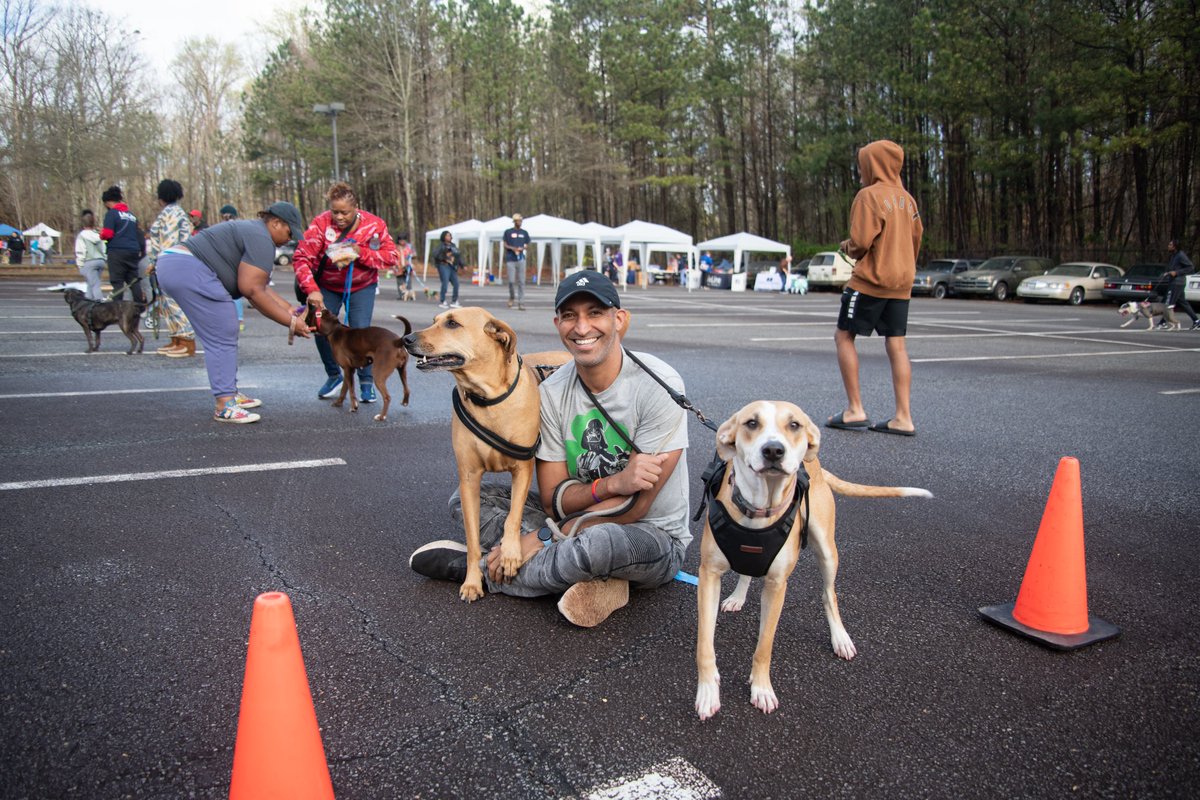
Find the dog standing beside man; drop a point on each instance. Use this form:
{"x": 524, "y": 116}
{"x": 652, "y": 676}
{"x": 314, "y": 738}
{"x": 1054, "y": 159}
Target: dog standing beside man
{"x": 610, "y": 470}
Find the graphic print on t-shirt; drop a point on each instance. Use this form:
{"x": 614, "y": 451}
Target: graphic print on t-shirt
{"x": 596, "y": 450}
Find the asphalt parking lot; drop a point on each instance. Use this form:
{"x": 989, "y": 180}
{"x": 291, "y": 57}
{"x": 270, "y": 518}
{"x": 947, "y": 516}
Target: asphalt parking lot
{"x": 127, "y": 602}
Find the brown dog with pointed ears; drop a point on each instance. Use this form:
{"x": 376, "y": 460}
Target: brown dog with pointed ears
{"x": 499, "y": 392}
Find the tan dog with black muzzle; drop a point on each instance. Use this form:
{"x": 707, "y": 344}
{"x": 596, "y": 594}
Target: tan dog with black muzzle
{"x": 764, "y": 447}
{"x": 500, "y": 396}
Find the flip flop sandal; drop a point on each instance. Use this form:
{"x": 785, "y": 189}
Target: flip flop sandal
{"x": 841, "y": 424}
{"x": 882, "y": 427}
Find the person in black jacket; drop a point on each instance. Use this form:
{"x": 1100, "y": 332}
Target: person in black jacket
{"x": 448, "y": 260}
{"x": 16, "y": 248}
{"x": 126, "y": 245}
{"x": 1178, "y": 268}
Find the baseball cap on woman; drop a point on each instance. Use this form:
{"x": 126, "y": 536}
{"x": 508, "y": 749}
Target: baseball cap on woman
{"x": 289, "y": 214}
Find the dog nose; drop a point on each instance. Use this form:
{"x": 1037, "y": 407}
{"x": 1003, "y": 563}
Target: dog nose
{"x": 773, "y": 451}
{"x": 409, "y": 340}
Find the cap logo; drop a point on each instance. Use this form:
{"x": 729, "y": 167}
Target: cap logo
{"x": 581, "y": 282}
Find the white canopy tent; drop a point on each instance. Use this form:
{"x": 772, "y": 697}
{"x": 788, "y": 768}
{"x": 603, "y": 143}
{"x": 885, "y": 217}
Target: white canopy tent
{"x": 468, "y": 229}
{"x": 648, "y": 237}
{"x": 741, "y": 244}
{"x": 39, "y": 229}
{"x": 553, "y": 232}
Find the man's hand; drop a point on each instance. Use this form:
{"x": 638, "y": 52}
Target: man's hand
{"x": 530, "y": 546}
{"x": 641, "y": 473}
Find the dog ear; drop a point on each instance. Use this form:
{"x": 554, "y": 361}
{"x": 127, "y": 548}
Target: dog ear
{"x": 504, "y": 335}
{"x": 727, "y": 438}
{"x": 814, "y": 441}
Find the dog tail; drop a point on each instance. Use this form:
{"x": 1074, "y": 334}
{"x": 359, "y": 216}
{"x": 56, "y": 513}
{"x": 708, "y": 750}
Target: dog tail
{"x": 407, "y": 324}
{"x": 848, "y": 489}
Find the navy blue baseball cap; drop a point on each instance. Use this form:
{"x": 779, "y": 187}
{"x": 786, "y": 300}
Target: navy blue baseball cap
{"x": 591, "y": 282}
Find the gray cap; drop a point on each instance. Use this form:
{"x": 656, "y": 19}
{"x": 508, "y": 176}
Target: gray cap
{"x": 289, "y": 214}
{"x": 591, "y": 282}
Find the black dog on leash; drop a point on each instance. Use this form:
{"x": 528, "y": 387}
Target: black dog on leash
{"x": 94, "y": 317}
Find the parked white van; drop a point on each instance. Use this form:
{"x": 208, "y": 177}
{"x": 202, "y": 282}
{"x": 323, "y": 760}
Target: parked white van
{"x": 829, "y": 270}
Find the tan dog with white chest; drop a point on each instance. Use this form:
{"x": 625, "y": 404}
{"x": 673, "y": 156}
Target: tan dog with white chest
{"x": 498, "y": 392}
{"x": 764, "y": 447}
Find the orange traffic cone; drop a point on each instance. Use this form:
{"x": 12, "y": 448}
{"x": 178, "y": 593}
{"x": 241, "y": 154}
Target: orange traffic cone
{"x": 278, "y": 752}
{"x": 1052, "y": 607}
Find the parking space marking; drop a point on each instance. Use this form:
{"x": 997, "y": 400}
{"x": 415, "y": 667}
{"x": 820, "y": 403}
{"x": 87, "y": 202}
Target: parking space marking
{"x": 675, "y": 779}
{"x": 43, "y": 316}
{"x": 1060, "y": 355}
{"x": 174, "y": 473}
{"x": 27, "y": 333}
{"x": 1182, "y": 391}
{"x": 80, "y": 355}
{"x": 115, "y": 391}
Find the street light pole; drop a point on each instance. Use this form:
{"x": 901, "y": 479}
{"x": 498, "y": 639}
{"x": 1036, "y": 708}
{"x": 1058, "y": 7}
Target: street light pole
{"x": 332, "y": 110}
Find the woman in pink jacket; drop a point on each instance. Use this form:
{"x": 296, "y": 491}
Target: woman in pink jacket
{"x": 337, "y": 264}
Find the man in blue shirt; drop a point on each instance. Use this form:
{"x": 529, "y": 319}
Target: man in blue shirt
{"x": 516, "y": 239}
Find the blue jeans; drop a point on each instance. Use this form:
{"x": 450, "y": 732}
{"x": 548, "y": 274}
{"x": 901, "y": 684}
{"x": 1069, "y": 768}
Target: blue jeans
{"x": 362, "y": 306}
{"x": 448, "y": 274}
{"x": 635, "y": 551}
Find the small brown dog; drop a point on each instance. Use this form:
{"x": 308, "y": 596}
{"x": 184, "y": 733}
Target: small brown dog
{"x": 355, "y": 348}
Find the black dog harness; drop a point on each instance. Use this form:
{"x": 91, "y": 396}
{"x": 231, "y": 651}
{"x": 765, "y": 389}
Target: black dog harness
{"x": 488, "y": 437}
{"x": 750, "y": 551}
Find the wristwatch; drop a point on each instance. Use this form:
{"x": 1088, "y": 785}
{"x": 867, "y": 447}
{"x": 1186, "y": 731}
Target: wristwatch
{"x": 545, "y": 535}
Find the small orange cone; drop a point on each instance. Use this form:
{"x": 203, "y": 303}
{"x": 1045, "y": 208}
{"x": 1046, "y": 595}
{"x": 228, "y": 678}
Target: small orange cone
{"x": 1052, "y": 607}
{"x": 278, "y": 752}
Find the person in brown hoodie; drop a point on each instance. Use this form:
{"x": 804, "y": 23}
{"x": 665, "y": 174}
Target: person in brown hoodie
{"x": 885, "y": 237}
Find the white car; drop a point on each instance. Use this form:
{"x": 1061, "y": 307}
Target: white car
{"x": 1070, "y": 283}
{"x": 830, "y": 270}
{"x": 1191, "y": 289}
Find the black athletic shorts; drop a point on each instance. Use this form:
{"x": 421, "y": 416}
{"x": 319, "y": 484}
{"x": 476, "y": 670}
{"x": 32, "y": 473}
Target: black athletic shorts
{"x": 863, "y": 315}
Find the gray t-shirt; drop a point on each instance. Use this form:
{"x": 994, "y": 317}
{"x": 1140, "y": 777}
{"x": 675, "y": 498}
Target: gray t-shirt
{"x": 573, "y": 430}
{"x": 222, "y": 247}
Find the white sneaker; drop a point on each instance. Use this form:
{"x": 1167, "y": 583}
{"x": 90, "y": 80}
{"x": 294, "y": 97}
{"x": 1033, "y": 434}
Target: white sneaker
{"x": 456, "y": 304}
{"x": 232, "y": 412}
{"x": 443, "y": 305}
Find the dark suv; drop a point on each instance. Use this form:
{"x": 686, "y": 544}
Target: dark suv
{"x": 938, "y": 274}
{"x": 1000, "y": 276}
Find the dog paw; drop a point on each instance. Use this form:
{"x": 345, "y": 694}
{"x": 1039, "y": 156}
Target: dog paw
{"x": 470, "y": 592}
{"x": 762, "y": 697}
{"x": 509, "y": 565}
{"x": 708, "y": 699}
{"x": 843, "y": 645}
{"x": 380, "y": 418}
{"x": 733, "y": 603}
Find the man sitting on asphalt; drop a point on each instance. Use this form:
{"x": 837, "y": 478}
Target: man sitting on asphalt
{"x": 613, "y": 442}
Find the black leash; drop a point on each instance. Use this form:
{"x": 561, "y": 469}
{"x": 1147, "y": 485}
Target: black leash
{"x": 682, "y": 401}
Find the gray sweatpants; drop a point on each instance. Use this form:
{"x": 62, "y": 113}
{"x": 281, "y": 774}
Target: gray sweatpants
{"x": 90, "y": 270}
{"x": 642, "y": 554}
{"x": 515, "y": 276}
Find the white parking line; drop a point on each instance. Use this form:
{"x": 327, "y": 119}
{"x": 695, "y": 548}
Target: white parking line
{"x": 114, "y": 391}
{"x": 1182, "y": 391}
{"x": 1060, "y": 355}
{"x": 43, "y": 316}
{"x": 81, "y": 355}
{"x": 173, "y": 473}
{"x": 26, "y": 333}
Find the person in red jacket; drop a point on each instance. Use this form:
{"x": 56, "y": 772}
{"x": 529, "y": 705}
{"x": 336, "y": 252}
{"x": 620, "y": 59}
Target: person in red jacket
{"x": 337, "y": 264}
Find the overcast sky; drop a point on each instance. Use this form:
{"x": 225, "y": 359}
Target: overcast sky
{"x": 165, "y": 24}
